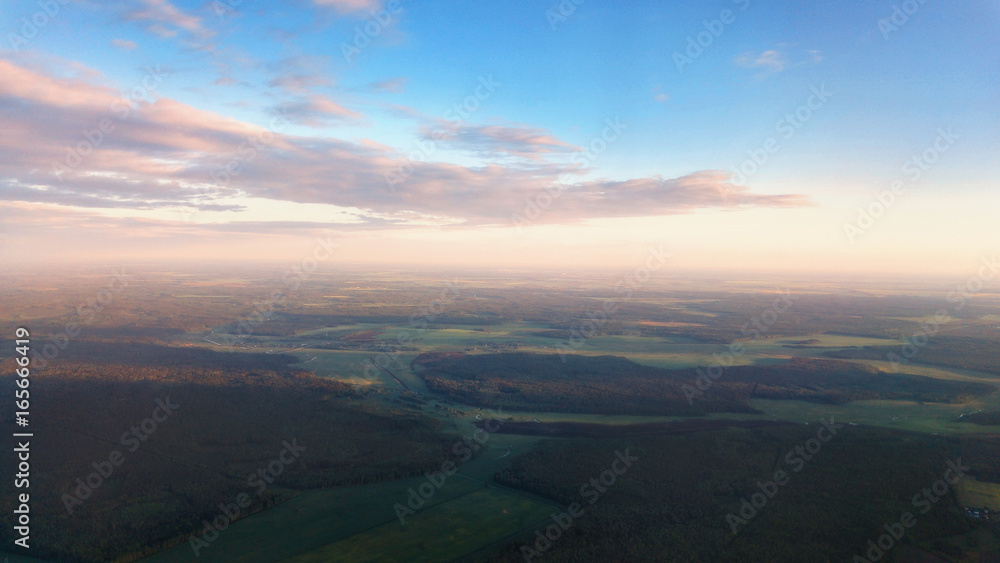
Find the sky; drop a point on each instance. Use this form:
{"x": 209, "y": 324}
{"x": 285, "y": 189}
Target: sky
{"x": 736, "y": 135}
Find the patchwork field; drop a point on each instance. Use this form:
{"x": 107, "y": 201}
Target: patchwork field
{"x": 343, "y": 524}
{"x": 419, "y": 384}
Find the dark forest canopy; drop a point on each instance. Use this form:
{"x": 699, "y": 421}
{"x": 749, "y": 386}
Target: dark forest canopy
{"x": 614, "y": 385}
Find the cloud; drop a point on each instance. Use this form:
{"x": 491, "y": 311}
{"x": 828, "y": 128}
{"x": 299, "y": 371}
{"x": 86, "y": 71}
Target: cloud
{"x": 317, "y": 111}
{"x": 666, "y": 196}
{"x": 162, "y": 153}
{"x": 659, "y": 95}
{"x": 771, "y": 61}
{"x": 24, "y": 84}
{"x": 495, "y": 141}
{"x": 779, "y": 59}
{"x": 394, "y": 85}
{"x": 69, "y": 196}
{"x": 346, "y": 6}
{"x": 300, "y": 74}
{"x": 166, "y": 20}
{"x": 161, "y": 32}
{"x": 123, "y": 44}
{"x": 298, "y": 83}
{"x": 301, "y": 77}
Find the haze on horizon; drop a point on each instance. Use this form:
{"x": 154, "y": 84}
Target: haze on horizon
{"x": 736, "y": 135}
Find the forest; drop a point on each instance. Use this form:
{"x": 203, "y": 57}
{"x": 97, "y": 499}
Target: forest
{"x": 963, "y": 352}
{"x": 615, "y": 385}
{"x": 673, "y": 501}
{"x": 235, "y": 412}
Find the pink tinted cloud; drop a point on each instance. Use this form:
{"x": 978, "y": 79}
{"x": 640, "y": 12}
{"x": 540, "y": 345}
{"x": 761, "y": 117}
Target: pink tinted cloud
{"x": 499, "y": 140}
{"x": 164, "y": 19}
{"x": 123, "y": 44}
{"x": 346, "y": 6}
{"x": 298, "y": 83}
{"x": 166, "y": 153}
{"x": 317, "y": 111}
{"x": 393, "y": 85}
{"x": 21, "y": 83}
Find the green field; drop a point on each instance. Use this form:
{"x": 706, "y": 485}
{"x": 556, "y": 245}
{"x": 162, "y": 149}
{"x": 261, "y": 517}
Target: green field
{"x": 901, "y": 415}
{"x": 440, "y": 533}
{"x": 977, "y": 494}
{"x": 353, "y": 367}
{"x": 319, "y": 523}
{"x": 311, "y": 520}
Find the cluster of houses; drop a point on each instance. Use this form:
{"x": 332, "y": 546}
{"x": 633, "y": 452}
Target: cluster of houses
{"x": 983, "y": 513}
{"x": 492, "y": 346}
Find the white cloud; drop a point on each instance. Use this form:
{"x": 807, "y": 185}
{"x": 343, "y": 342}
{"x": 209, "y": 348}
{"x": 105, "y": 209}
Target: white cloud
{"x": 772, "y": 61}
{"x": 123, "y": 44}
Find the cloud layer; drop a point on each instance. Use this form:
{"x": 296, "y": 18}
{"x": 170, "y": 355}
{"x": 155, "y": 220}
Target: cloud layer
{"x": 73, "y": 142}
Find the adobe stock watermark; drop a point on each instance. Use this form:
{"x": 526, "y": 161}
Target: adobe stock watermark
{"x": 753, "y": 330}
{"x": 365, "y": 34}
{"x": 914, "y": 169}
{"x": 292, "y": 278}
{"x": 246, "y": 153}
{"x": 974, "y": 284}
{"x": 535, "y": 207}
{"x": 787, "y": 127}
{"x": 463, "y": 450}
{"x": 456, "y": 115}
{"x": 87, "y": 313}
{"x": 698, "y": 43}
{"x": 418, "y": 323}
{"x": 224, "y": 8}
{"x": 249, "y": 149}
{"x": 32, "y": 25}
{"x": 900, "y": 15}
{"x": 131, "y": 439}
{"x": 924, "y": 500}
{"x": 598, "y": 145}
{"x": 260, "y": 479}
{"x": 963, "y": 292}
{"x": 591, "y": 491}
{"x": 122, "y": 109}
{"x": 796, "y": 459}
{"x": 561, "y": 12}
{"x": 629, "y": 284}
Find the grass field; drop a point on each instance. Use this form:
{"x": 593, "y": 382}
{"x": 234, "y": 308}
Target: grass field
{"x": 440, "y": 533}
{"x": 954, "y": 374}
{"x": 901, "y": 415}
{"x": 319, "y": 523}
{"x": 978, "y": 494}
{"x": 312, "y": 520}
{"x": 353, "y": 367}
{"x": 346, "y": 366}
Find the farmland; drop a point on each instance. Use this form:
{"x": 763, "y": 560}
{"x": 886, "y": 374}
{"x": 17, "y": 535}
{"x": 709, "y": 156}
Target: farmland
{"x": 387, "y": 381}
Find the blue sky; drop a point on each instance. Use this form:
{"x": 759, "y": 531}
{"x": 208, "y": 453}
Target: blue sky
{"x": 559, "y": 80}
